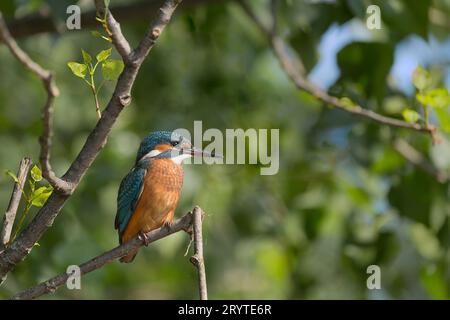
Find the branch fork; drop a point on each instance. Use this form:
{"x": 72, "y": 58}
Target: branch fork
{"x": 13, "y": 206}
{"x": 191, "y": 221}
{"x": 65, "y": 186}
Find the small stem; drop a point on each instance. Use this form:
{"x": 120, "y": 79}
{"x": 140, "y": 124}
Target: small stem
{"x": 94, "y": 92}
{"x": 426, "y": 115}
{"x": 94, "y": 68}
{"x": 23, "y": 191}
{"x": 189, "y": 246}
{"x": 97, "y": 105}
{"x": 22, "y": 219}
{"x": 13, "y": 206}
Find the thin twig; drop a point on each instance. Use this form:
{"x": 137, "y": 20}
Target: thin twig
{"x": 96, "y": 140}
{"x": 154, "y": 31}
{"x": 115, "y": 31}
{"x": 197, "y": 259}
{"x": 418, "y": 160}
{"x": 52, "y": 92}
{"x": 49, "y": 286}
{"x": 293, "y": 66}
{"x": 11, "y": 211}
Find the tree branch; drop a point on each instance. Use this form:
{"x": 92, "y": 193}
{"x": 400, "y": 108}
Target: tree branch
{"x": 118, "y": 39}
{"x": 96, "y": 140}
{"x": 293, "y": 66}
{"x": 52, "y": 92}
{"x": 49, "y": 286}
{"x": 45, "y": 139}
{"x": 43, "y": 22}
{"x": 417, "y": 159}
{"x": 11, "y": 211}
{"x": 154, "y": 31}
{"x": 197, "y": 259}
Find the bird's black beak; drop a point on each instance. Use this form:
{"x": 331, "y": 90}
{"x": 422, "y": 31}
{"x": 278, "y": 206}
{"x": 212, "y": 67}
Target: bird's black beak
{"x": 197, "y": 152}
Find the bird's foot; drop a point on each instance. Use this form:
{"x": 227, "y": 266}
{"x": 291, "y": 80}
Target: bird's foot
{"x": 143, "y": 236}
{"x": 168, "y": 225}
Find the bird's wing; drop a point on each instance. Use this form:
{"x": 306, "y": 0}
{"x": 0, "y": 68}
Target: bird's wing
{"x": 129, "y": 192}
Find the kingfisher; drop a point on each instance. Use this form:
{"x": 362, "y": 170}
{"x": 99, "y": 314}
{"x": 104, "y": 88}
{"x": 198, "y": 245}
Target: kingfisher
{"x": 148, "y": 195}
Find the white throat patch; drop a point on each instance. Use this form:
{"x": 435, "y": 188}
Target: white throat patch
{"x": 179, "y": 159}
{"x": 151, "y": 154}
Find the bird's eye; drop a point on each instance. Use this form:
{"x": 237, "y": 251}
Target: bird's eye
{"x": 174, "y": 143}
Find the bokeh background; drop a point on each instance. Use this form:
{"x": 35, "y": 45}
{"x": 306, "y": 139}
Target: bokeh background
{"x": 343, "y": 199}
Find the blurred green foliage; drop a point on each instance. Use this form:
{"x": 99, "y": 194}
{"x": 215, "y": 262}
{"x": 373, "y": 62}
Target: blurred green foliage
{"x": 343, "y": 199}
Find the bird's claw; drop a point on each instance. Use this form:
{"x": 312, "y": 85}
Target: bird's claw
{"x": 143, "y": 236}
{"x": 168, "y": 225}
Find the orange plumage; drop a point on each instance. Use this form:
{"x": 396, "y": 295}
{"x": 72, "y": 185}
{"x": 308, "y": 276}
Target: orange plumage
{"x": 158, "y": 201}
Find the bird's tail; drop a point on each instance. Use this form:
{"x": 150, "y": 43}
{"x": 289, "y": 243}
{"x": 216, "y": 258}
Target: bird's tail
{"x": 129, "y": 257}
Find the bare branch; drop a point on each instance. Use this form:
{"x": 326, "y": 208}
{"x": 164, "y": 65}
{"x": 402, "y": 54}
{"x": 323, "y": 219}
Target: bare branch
{"x": 6, "y": 37}
{"x": 197, "y": 259}
{"x": 96, "y": 140}
{"x": 49, "y": 286}
{"x": 52, "y": 92}
{"x": 293, "y": 66}
{"x": 45, "y": 139}
{"x": 252, "y": 15}
{"x": 155, "y": 30}
{"x": 418, "y": 160}
{"x": 11, "y": 211}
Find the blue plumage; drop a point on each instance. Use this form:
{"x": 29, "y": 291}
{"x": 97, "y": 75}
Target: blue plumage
{"x": 129, "y": 192}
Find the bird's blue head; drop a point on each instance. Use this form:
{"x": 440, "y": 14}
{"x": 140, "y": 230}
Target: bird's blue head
{"x": 168, "y": 144}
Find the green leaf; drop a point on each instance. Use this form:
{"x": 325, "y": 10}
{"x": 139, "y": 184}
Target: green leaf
{"x": 436, "y": 98}
{"x": 419, "y": 209}
{"x": 432, "y": 278}
{"x": 444, "y": 119}
{"x": 12, "y": 175}
{"x": 421, "y": 78}
{"x": 40, "y": 196}
{"x": 103, "y": 55}
{"x": 78, "y": 69}
{"x": 36, "y": 173}
{"x": 96, "y": 34}
{"x": 410, "y": 116}
{"x": 425, "y": 241}
{"x": 86, "y": 57}
{"x": 370, "y": 78}
{"x": 111, "y": 69}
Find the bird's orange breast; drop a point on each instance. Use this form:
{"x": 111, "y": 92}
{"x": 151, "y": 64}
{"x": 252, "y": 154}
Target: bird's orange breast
{"x": 159, "y": 198}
